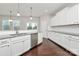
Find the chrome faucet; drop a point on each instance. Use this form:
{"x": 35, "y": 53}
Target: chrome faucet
{"x": 16, "y": 29}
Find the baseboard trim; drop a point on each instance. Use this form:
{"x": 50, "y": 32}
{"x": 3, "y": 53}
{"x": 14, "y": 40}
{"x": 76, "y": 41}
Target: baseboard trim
{"x": 63, "y": 48}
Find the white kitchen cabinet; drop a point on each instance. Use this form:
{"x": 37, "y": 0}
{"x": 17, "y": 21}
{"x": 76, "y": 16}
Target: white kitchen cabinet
{"x": 17, "y": 48}
{"x": 20, "y": 44}
{"x": 52, "y": 35}
{"x": 76, "y": 13}
{"x": 40, "y": 38}
{"x": 67, "y": 16}
{"x": 49, "y": 35}
{"x": 61, "y": 16}
{"x": 27, "y": 43}
{"x": 63, "y": 40}
{"x": 54, "y": 21}
{"x": 5, "y": 48}
{"x": 17, "y": 45}
{"x": 70, "y": 16}
{"x": 69, "y": 42}
{"x": 74, "y": 44}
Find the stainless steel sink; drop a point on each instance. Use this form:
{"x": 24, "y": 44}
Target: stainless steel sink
{"x": 20, "y": 34}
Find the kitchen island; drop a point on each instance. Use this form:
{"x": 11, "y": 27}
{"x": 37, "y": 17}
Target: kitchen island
{"x": 16, "y": 44}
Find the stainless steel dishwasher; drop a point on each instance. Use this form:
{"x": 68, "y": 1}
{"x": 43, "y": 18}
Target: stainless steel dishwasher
{"x": 34, "y": 39}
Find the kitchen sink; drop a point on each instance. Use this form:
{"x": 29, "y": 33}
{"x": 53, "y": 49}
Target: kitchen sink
{"x": 20, "y": 34}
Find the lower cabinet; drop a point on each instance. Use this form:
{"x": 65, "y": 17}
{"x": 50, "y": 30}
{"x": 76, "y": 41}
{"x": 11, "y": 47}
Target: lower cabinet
{"x": 20, "y": 46}
{"x": 17, "y": 48}
{"x": 5, "y": 47}
{"x": 74, "y": 44}
{"x": 69, "y": 42}
{"x": 27, "y": 43}
{"x": 17, "y": 45}
{"x": 5, "y": 50}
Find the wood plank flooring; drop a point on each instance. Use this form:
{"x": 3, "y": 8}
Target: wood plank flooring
{"x": 47, "y": 48}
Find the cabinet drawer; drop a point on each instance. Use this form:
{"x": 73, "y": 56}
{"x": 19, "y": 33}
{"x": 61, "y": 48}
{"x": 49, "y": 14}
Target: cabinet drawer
{"x": 5, "y": 41}
{"x": 74, "y": 38}
{"x": 17, "y": 38}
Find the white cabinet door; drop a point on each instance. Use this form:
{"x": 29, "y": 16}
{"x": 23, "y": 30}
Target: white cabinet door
{"x": 63, "y": 39}
{"x": 5, "y": 47}
{"x": 53, "y": 36}
{"x": 72, "y": 15}
{"x": 49, "y": 35}
{"x": 74, "y": 44}
{"x": 17, "y": 48}
{"x": 54, "y": 21}
{"x": 5, "y": 50}
{"x": 40, "y": 38}
{"x": 27, "y": 43}
{"x": 61, "y": 16}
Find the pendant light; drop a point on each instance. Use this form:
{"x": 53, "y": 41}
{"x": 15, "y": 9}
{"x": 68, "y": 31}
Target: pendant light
{"x": 10, "y": 20}
{"x": 31, "y": 13}
{"x": 18, "y": 13}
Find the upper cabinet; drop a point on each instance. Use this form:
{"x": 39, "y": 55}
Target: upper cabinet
{"x": 72, "y": 15}
{"x": 67, "y": 16}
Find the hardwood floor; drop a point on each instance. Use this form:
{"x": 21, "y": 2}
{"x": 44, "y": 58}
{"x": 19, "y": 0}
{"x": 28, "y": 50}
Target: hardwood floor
{"x": 47, "y": 48}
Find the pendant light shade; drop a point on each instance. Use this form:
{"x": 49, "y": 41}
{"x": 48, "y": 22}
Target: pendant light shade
{"x": 18, "y": 9}
{"x": 31, "y": 17}
{"x": 10, "y": 19}
{"x": 18, "y": 14}
{"x": 31, "y": 14}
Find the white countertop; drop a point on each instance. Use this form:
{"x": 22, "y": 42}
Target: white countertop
{"x": 69, "y": 33}
{"x": 11, "y": 34}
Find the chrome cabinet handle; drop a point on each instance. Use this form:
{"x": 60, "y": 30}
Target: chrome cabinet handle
{"x": 18, "y": 42}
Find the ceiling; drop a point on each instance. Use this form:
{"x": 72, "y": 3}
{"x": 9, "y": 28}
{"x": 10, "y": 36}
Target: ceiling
{"x": 38, "y": 9}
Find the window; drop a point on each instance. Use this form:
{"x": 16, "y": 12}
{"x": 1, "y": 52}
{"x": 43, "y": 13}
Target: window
{"x": 5, "y": 25}
{"x": 16, "y": 24}
{"x": 31, "y": 26}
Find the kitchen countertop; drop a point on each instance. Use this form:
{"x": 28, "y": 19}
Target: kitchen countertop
{"x": 12, "y": 36}
{"x": 69, "y": 33}
{"x": 15, "y": 35}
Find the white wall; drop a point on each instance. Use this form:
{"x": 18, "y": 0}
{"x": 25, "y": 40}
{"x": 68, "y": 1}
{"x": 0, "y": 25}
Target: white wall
{"x": 44, "y": 23}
